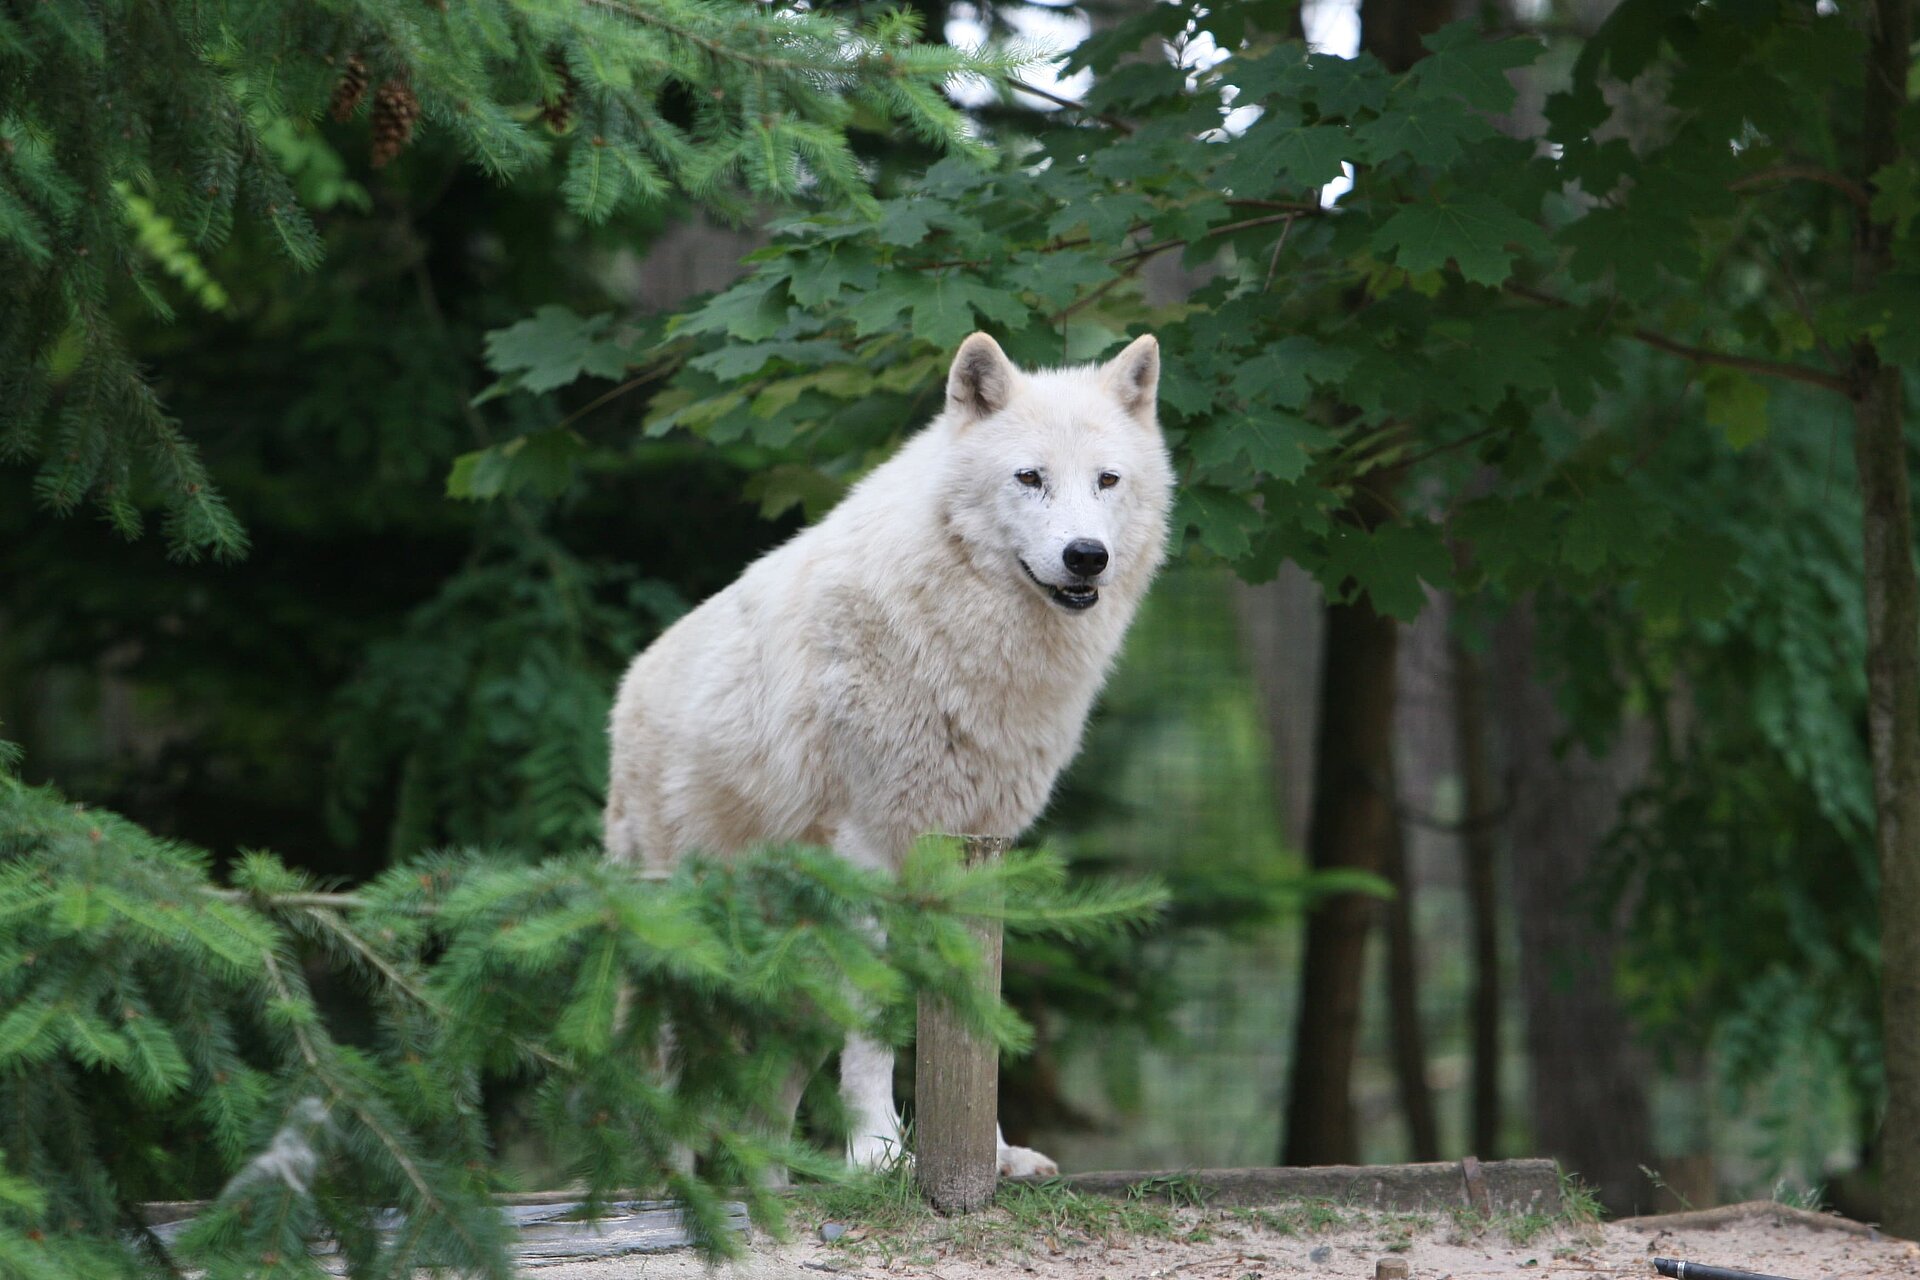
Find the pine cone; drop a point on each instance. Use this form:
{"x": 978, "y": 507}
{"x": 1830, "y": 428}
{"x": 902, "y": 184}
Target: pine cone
{"x": 557, "y": 111}
{"x": 394, "y": 111}
{"x": 348, "y": 93}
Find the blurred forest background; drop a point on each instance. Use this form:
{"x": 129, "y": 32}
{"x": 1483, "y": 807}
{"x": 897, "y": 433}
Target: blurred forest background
{"x": 1634, "y": 917}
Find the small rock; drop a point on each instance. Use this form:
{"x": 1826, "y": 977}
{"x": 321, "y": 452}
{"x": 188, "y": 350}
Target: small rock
{"x": 831, "y": 1231}
{"x": 1390, "y": 1269}
{"x": 1322, "y": 1255}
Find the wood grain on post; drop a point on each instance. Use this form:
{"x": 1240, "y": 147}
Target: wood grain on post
{"x": 957, "y": 1083}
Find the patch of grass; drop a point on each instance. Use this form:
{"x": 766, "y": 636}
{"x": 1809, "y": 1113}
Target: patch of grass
{"x": 1182, "y": 1190}
{"x": 885, "y": 1215}
{"x": 1812, "y": 1198}
{"x": 1579, "y": 1214}
{"x": 880, "y": 1200}
{"x": 1304, "y": 1217}
{"x": 1660, "y": 1184}
{"x": 1578, "y": 1203}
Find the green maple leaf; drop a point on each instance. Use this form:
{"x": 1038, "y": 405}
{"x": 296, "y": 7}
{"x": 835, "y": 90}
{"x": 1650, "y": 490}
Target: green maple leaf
{"x": 539, "y": 460}
{"x": 1287, "y": 155}
{"x": 942, "y": 313}
{"x": 736, "y": 360}
{"x": 1138, "y": 84}
{"x": 817, "y": 278}
{"x": 942, "y": 307}
{"x": 1345, "y": 86}
{"x": 1473, "y": 231}
{"x": 1474, "y": 69}
{"x": 1737, "y": 404}
{"x": 1060, "y": 277}
{"x": 555, "y": 346}
{"x": 1226, "y": 522}
{"x": 750, "y": 310}
{"x": 1275, "y": 444}
{"x": 1108, "y": 215}
{"x": 1512, "y": 539}
{"x": 904, "y": 222}
{"x": 1388, "y": 565}
{"x": 1889, "y": 313}
{"x": 1693, "y": 576}
{"x": 1614, "y": 525}
{"x": 1431, "y": 131}
{"x": 1183, "y": 389}
{"x": 1281, "y": 372}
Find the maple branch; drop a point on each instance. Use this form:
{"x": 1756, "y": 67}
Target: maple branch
{"x": 629, "y": 385}
{"x": 1292, "y": 206}
{"x": 1144, "y": 251}
{"x": 1810, "y": 173}
{"x": 1706, "y": 355}
{"x": 1071, "y": 104}
{"x": 1226, "y": 228}
{"x": 1100, "y": 291}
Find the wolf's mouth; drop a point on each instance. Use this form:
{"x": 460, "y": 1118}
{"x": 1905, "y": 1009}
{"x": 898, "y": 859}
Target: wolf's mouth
{"x": 1081, "y": 596}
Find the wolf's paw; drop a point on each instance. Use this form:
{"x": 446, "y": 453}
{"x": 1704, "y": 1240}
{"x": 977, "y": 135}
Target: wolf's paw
{"x": 873, "y": 1151}
{"x": 1025, "y": 1162}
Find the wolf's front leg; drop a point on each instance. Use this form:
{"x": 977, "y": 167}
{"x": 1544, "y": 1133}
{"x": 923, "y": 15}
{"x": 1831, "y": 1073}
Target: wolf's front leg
{"x": 866, "y": 1085}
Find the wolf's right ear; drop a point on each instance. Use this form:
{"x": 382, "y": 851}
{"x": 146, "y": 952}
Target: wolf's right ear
{"x": 982, "y": 378}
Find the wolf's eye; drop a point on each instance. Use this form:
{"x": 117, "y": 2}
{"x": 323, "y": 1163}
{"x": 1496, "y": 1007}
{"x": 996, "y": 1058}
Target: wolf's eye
{"x": 1029, "y": 478}
{"x": 1108, "y": 479}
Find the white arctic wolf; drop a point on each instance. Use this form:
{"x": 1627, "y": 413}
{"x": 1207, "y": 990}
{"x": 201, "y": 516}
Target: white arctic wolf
{"x": 922, "y": 660}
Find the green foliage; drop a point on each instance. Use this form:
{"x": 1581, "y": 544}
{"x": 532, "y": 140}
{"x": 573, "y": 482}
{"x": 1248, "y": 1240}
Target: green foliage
{"x": 1402, "y": 329}
{"x": 1493, "y": 323}
{"x": 513, "y": 660}
{"x": 161, "y": 1031}
{"x": 133, "y": 137}
{"x": 1744, "y": 868}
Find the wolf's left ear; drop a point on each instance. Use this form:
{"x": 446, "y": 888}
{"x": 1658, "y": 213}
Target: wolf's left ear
{"x": 1134, "y": 376}
{"x": 981, "y": 380}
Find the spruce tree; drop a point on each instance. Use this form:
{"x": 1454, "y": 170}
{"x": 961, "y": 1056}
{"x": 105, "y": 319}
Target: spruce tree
{"x": 121, "y": 122}
{"x": 161, "y": 1036}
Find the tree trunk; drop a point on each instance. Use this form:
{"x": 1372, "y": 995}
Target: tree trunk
{"x": 1391, "y": 30}
{"x": 1480, "y": 855}
{"x": 1588, "y": 1098}
{"x": 1353, "y": 818}
{"x": 1893, "y": 728}
{"x": 1403, "y": 1005}
{"x": 1281, "y": 626}
{"x": 1351, "y": 824}
{"x": 1893, "y": 653}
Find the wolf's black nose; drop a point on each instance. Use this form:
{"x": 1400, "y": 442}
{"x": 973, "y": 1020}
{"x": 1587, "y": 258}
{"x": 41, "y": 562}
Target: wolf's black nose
{"x": 1085, "y": 557}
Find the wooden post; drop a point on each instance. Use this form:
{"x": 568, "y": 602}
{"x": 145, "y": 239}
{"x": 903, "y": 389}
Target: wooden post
{"x": 956, "y": 1086}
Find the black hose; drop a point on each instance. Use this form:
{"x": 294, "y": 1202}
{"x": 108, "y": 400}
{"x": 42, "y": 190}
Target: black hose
{"x": 1677, "y": 1270}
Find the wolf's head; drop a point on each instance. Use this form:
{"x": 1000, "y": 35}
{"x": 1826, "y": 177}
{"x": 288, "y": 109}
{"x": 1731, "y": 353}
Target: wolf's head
{"x": 1062, "y": 479}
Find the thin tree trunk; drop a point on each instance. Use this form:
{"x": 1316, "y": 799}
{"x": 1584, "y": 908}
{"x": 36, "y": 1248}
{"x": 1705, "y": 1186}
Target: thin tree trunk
{"x": 1893, "y": 725}
{"x": 1480, "y": 854}
{"x": 1893, "y": 652}
{"x": 1281, "y": 626}
{"x": 1403, "y": 1005}
{"x": 1351, "y": 824}
{"x": 1588, "y": 1095}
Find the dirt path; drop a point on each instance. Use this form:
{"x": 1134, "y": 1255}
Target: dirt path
{"x": 1253, "y": 1246}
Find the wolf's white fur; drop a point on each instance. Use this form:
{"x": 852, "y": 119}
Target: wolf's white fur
{"x": 902, "y": 667}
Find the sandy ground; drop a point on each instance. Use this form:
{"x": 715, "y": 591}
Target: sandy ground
{"x": 1240, "y": 1249}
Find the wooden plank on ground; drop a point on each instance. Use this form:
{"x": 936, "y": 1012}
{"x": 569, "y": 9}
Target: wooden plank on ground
{"x": 550, "y": 1232}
